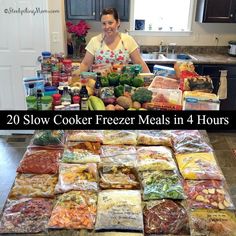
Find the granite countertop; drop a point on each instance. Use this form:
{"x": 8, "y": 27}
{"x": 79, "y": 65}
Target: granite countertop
{"x": 200, "y": 55}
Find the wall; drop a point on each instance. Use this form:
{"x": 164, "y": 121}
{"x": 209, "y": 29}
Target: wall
{"x": 57, "y": 26}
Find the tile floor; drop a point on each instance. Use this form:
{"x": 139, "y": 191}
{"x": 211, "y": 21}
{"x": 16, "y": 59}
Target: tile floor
{"x": 13, "y": 147}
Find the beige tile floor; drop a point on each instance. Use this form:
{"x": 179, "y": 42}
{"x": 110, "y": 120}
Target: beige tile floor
{"x": 13, "y": 147}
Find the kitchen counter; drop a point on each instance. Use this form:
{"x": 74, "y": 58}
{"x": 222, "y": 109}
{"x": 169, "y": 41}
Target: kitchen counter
{"x": 212, "y": 58}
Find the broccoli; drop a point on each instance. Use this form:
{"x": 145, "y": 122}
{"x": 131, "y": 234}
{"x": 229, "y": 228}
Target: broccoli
{"x": 142, "y": 95}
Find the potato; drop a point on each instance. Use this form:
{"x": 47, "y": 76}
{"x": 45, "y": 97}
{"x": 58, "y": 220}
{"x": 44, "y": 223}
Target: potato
{"x": 110, "y": 107}
{"x": 136, "y": 105}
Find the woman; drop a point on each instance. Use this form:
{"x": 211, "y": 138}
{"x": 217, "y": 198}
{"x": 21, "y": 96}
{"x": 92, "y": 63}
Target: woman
{"x": 111, "y": 46}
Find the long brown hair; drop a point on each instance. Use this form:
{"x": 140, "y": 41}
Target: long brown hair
{"x": 110, "y": 11}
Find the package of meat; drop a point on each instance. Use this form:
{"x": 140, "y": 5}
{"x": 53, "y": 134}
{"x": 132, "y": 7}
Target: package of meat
{"x": 118, "y": 177}
{"x": 74, "y": 210}
{"x": 201, "y": 165}
{"x": 190, "y": 141}
{"x": 212, "y": 222}
{"x": 119, "y": 210}
{"x": 155, "y": 158}
{"x": 26, "y": 215}
{"x": 41, "y": 161}
{"x": 48, "y": 139}
{"x": 84, "y": 136}
{"x": 119, "y": 137}
{"x": 33, "y": 185}
{"x": 165, "y": 217}
{"x": 207, "y": 194}
{"x": 161, "y": 184}
{"x": 81, "y": 152}
{"x": 77, "y": 177}
{"x": 153, "y": 137}
{"x": 164, "y": 83}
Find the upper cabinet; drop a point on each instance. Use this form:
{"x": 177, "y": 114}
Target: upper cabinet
{"x": 122, "y": 6}
{"x": 216, "y": 11}
{"x": 80, "y": 9}
{"x": 91, "y": 9}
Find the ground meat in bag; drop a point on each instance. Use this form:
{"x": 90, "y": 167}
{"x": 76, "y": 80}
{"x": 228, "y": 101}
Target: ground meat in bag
{"x": 165, "y": 217}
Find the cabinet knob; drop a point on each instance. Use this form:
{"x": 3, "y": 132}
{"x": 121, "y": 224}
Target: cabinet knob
{"x": 231, "y": 15}
{"x": 94, "y": 13}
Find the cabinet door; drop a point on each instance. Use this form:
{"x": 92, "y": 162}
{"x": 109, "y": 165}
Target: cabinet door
{"x": 216, "y": 11}
{"x": 81, "y": 9}
{"x": 122, "y": 6}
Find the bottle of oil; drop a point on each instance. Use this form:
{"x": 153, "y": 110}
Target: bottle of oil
{"x": 84, "y": 98}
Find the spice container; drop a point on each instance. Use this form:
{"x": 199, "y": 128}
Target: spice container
{"x": 67, "y": 63}
{"x": 46, "y": 103}
{"x": 31, "y": 102}
{"x": 46, "y": 62}
{"x": 56, "y": 100}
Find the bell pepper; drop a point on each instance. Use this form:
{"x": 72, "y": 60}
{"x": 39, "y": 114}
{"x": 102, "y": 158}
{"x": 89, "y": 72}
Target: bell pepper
{"x": 125, "y": 79}
{"x": 105, "y": 82}
{"x": 119, "y": 90}
{"x": 114, "y": 79}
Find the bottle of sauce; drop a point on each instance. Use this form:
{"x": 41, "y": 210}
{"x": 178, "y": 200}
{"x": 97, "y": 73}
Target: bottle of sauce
{"x": 56, "y": 100}
{"x": 98, "y": 85}
{"x": 39, "y": 99}
{"x": 84, "y": 98}
{"x": 66, "y": 96}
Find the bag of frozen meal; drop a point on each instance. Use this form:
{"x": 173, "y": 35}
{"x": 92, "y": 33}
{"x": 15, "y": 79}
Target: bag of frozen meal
{"x": 119, "y": 210}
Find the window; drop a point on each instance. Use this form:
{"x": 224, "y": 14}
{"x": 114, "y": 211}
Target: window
{"x": 161, "y": 15}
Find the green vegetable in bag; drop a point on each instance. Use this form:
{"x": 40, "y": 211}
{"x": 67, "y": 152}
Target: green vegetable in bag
{"x": 114, "y": 79}
{"x": 125, "y": 79}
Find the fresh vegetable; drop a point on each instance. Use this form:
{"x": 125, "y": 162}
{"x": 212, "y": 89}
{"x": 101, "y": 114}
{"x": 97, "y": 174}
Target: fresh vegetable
{"x": 119, "y": 90}
{"x": 105, "y": 82}
{"x": 137, "y": 82}
{"x": 125, "y": 79}
{"x": 136, "y": 105}
{"x": 114, "y": 79}
{"x": 125, "y": 102}
{"x": 110, "y": 107}
{"x": 96, "y": 103}
{"x": 142, "y": 95}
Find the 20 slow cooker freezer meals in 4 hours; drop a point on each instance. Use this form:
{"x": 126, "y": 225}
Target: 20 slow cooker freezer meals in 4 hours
{"x": 140, "y": 182}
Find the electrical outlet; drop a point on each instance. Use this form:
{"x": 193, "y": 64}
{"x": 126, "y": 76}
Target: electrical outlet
{"x": 55, "y": 37}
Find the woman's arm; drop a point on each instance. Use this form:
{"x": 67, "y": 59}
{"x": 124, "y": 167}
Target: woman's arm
{"x": 86, "y": 62}
{"x": 137, "y": 59}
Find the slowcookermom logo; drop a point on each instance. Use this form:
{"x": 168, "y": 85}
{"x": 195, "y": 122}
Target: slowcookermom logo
{"x": 33, "y": 11}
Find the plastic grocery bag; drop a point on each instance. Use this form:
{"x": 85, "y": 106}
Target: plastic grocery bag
{"x": 40, "y": 161}
{"x": 118, "y": 137}
{"x": 48, "y": 138}
{"x": 165, "y": 217}
{"x": 119, "y": 210}
{"x": 114, "y": 150}
{"x": 212, "y": 222}
{"x": 81, "y": 152}
{"x": 161, "y": 184}
{"x": 33, "y": 185}
{"x": 189, "y": 141}
{"x": 118, "y": 177}
{"x": 84, "y": 136}
{"x": 153, "y": 137}
{"x": 74, "y": 210}
{"x": 207, "y": 194}
{"x": 155, "y": 158}
{"x": 77, "y": 177}
{"x": 200, "y": 165}
{"x": 26, "y": 215}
